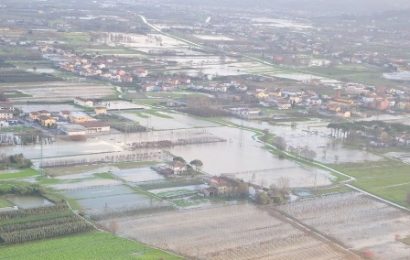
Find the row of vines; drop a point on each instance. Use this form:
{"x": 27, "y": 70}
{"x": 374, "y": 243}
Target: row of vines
{"x": 39, "y": 223}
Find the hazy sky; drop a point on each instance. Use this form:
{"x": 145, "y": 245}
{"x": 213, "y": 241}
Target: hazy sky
{"x": 315, "y": 6}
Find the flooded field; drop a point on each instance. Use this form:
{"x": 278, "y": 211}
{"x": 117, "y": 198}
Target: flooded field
{"x": 211, "y": 37}
{"x": 167, "y": 121}
{"x": 69, "y": 91}
{"x": 230, "y": 69}
{"x": 399, "y": 76}
{"x": 137, "y": 174}
{"x": 112, "y": 199}
{"x": 245, "y": 158}
{"x": 27, "y": 108}
{"x": 280, "y": 23}
{"x": 28, "y": 202}
{"x": 86, "y": 183}
{"x": 316, "y": 136}
{"x": 122, "y": 105}
{"x": 240, "y": 156}
{"x": 150, "y": 43}
{"x": 197, "y": 60}
{"x": 63, "y": 148}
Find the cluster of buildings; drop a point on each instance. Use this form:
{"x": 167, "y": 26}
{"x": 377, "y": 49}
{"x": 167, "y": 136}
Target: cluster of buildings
{"x": 73, "y": 123}
{"x": 218, "y": 87}
{"x": 7, "y": 111}
{"x": 350, "y": 100}
{"x": 70, "y": 123}
{"x": 108, "y": 68}
{"x": 163, "y": 83}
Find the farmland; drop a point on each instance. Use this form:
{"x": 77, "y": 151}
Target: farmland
{"x": 230, "y": 232}
{"x": 204, "y": 130}
{"x": 18, "y": 174}
{"x": 356, "y": 220}
{"x": 91, "y": 245}
{"x": 38, "y": 223}
{"x": 389, "y": 179}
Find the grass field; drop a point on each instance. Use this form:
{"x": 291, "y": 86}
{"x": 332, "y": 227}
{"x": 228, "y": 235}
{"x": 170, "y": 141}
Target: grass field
{"x": 152, "y": 112}
{"x": 388, "y": 179}
{"x": 357, "y": 73}
{"x": 4, "y": 203}
{"x": 94, "y": 245}
{"x": 20, "y": 174}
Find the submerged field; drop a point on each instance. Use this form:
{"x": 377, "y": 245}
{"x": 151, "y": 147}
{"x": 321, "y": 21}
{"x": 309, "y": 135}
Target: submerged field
{"x": 94, "y": 245}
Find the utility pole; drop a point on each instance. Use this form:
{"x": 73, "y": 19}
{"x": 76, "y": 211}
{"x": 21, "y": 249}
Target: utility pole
{"x": 41, "y": 156}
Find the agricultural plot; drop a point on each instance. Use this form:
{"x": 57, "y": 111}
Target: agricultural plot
{"x": 244, "y": 158}
{"x": 68, "y": 92}
{"x": 114, "y": 200}
{"x": 213, "y": 37}
{"x": 137, "y": 175}
{"x": 184, "y": 196}
{"x": 389, "y": 179}
{"x": 316, "y": 136}
{"x": 91, "y": 245}
{"x": 357, "y": 221}
{"x": 232, "y": 232}
{"x": 25, "y": 173}
{"x": 28, "y": 201}
{"x": 17, "y": 226}
{"x": 149, "y": 44}
{"x": 121, "y": 124}
{"x": 166, "y": 121}
{"x": 16, "y": 76}
{"x": 27, "y": 108}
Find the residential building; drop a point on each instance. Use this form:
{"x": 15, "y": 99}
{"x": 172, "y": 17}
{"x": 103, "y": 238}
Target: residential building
{"x": 93, "y": 127}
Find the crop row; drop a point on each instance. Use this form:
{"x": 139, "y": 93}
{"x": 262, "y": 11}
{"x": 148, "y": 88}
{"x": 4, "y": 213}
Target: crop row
{"x": 24, "y": 235}
{"x": 39, "y": 223}
{"x": 22, "y": 213}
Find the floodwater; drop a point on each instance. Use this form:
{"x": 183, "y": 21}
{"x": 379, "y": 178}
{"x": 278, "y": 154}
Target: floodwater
{"x": 117, "y": 198}
{"x": 316, "y": 136}
{"x": 138, "y": 174}
{"x": 179, "y": 188}
{"x": 212, "y": 37}
{"x": 28, "y": 202}
{"x": 64, "y": 148}
{"x": 400, "y": 76}
{"x": 230, "y": 69}
{"x": 27, "y": 108}
{"x": 177, "y": 121}
{"x": 280, "y": 23}
{"x": 243, "y": 157}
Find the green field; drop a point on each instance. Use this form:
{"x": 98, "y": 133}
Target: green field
{"x": 388, "y": 179}
{"x": 94, "y": 245}
{"x": 153, "y": 112}
{"x": 19, "y": 174}
{"x": 4, "y": 203}
{"x": 366, "y": 74}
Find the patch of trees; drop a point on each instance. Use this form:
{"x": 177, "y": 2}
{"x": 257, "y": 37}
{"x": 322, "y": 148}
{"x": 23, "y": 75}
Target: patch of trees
{"x": 203, "y": 106}
{"x": 377, "y": 131}
{"x": 277, "y": 193}
{"x": 122, "y": 124}
{"x": 20, "y": 188}
{"x": 38, "y": 223}
{"x": 191, "y": 168}
{"x": 15, "y": 161}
